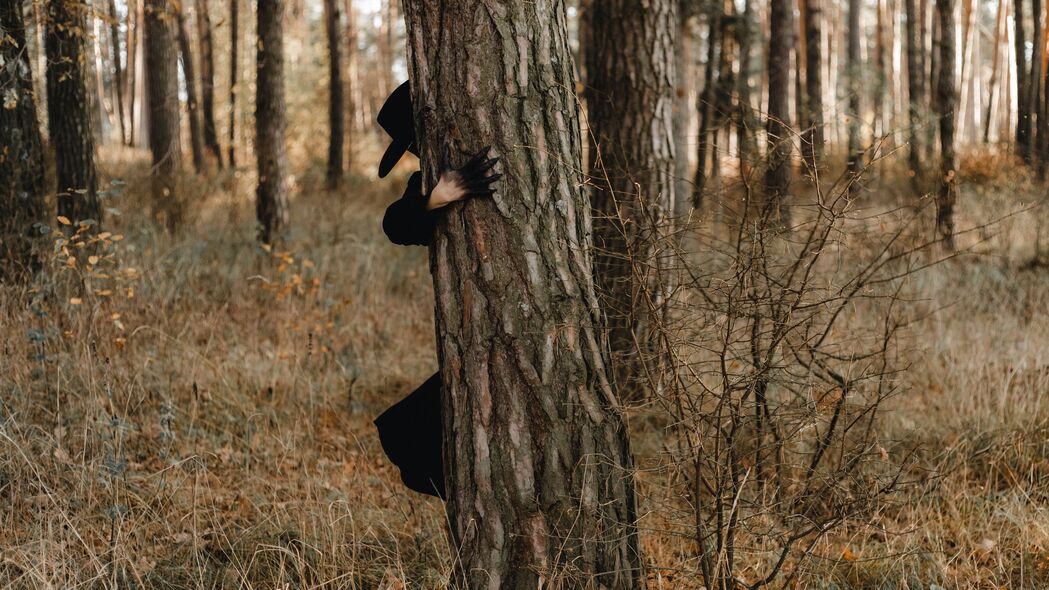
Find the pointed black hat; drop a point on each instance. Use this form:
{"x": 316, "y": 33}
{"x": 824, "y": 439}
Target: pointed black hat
{"x": 397, "y": 119}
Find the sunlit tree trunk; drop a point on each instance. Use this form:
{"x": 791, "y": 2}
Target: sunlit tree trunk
{"x": 537, "y": 462}
{"x": 22, "y": 184}
{"x": 69, "y": 121}
{"x": 336, "y": 108}
{"x": 630, "y": 97}
{"x": 915, "y": 90}
{"x": 118, "y": 71}
{"x": 163, "y": 104}
{"x": 271, "y": 196}
{"x": 682, "y": 105}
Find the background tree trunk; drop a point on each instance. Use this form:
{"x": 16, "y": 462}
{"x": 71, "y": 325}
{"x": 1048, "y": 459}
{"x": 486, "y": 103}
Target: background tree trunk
{"x": 69, "y": 121}
{"x": 189, "y": 76}
{"x": 336, "y": 108}
{"x": 271, "y": 196}
{"x": 1023, "y": 89}
{"x": 22, "y": 184}
{"x": 630, "y": 97}
{"x": 945, "y": 92}
{"x": 855, "y": 149}
{"x": 353, "y": 90}
{"x": 746, "y": 122}
{"x": 915, "y": 90}
{"x": 118, "y": 71}
{"x": 705, "y": 106}
{"x": 777, "y": 176}
{"x": 234, "y": 39}
{"x": 812, "y": 138}
{"x": 537, "y": 460}
{"x": 207, "y": 81}
{"x": 163, "y": 105}
{"x": 683, "y": 60}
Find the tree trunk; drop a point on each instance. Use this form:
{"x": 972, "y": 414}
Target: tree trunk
{"x": 196, "y": 138}
{"x": 706, "y": 101}
{"x": 536, "y": 458}
{"x": 162, "y": 104}
{"x": 993, "y": 93}
{"x": 915, "y": 91}
{"x": 134, "y": 22}
{"x": 777, "y": 176}
{"x": 22, "y": 185}
{"x": 682, "y": 107}
{"x": 234, "y": 38}
{"x": 812, "y": 138}
{"x": 630, "y": 101}
{"x": 207, "y": 81}
{"x": 336, "y": 108}
{"x": 271, "y": 196}
{"x": 69, "y": 121}
{"x": 946, "y": 91}
{"x": 1034, "y": 77}
{"x": 1023, "y": 89}
{"x": 746, "y": 123}
{"x": 353, "y": 90}
{"x": 118, "y": 71}
{"x": 855, "y": 153}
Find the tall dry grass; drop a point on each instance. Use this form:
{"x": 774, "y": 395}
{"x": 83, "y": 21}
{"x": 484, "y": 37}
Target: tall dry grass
{"x": 206, "y": 423}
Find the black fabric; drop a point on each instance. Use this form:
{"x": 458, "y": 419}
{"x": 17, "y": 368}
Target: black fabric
{"x": 410, "y": 433}
{"x": 407, "y": 222}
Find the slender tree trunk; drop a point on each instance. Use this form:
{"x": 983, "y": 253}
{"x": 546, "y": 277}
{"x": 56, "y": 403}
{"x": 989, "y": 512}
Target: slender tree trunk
{"x": 1023, "y": 89}
{"x": 746, "y": 122}
{"x": 915, "y": 91}
{"x": 706, "y": 101}
{"x": 336, "y": 108}
{"x": 196, "y": 137}
{"x": 630, "y": 85}
{"x": 271, "y": 197}
{"x": 993, "y": 93}
{"x": 118, "y": 71}
{"x": 778, "y": 129}
{"x": 537, "y": 461}
{"x": 1034, "y": 77}
{"x": 22, "y": 184}
{"x": 162, "y": 104}
{"x": 234, "y": 39}
{"x": 353, "y": 90}
{"x": 852, "y": 66}
{"x": 134, "y": 21}
{"x": 946, "y": 91}
{"x": 67, "y": 113}
{"x": 682, "y": 106}
{"x": 1039, "y": 107}
{"x": 207, "y": 81}
{"x": 812, "y": 138}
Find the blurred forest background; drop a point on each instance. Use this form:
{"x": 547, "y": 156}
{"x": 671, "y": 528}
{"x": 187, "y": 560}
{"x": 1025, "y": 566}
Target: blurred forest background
{"x": 824, "y": 269}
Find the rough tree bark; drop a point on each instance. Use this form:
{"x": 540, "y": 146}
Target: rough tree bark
{"x": 207, "y": 81}
{"x": 196, "y": 137}
{"x": 162, "y": 105}
{"x": 271, "y": 196}
{"x": 336, "y": 108}
{"x": 537, "y": 461}
{"x": 1023, "y": 90}
{"x": 69, "y": 121}
{"x": 777, "y": 176}
{"x": 812, "y": 137}
{"x": 234, "y": 39}
{"x": 946, "y": 102}
{"x": 22, "y": 184}
{"x": 630, "y": 101}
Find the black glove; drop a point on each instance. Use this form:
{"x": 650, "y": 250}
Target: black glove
{"x": 473, "y": 177}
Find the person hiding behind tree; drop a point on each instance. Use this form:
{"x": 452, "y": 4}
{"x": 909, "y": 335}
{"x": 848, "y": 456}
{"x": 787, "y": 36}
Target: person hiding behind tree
{"x": 410, "y": 431}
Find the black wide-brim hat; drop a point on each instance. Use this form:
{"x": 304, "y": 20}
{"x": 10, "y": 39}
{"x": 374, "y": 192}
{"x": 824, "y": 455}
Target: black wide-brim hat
{"x": 397, "y": 118}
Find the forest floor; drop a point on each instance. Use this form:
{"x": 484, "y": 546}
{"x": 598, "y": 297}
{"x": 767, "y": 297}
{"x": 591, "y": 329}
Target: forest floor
{"x": 202, "y": 419}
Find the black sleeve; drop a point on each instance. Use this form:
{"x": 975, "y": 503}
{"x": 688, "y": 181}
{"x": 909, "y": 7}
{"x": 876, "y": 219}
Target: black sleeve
{"x": 407, "y": 222}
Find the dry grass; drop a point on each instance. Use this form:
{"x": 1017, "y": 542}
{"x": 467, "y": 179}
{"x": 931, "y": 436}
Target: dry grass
{"x": 213, "y": 430}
